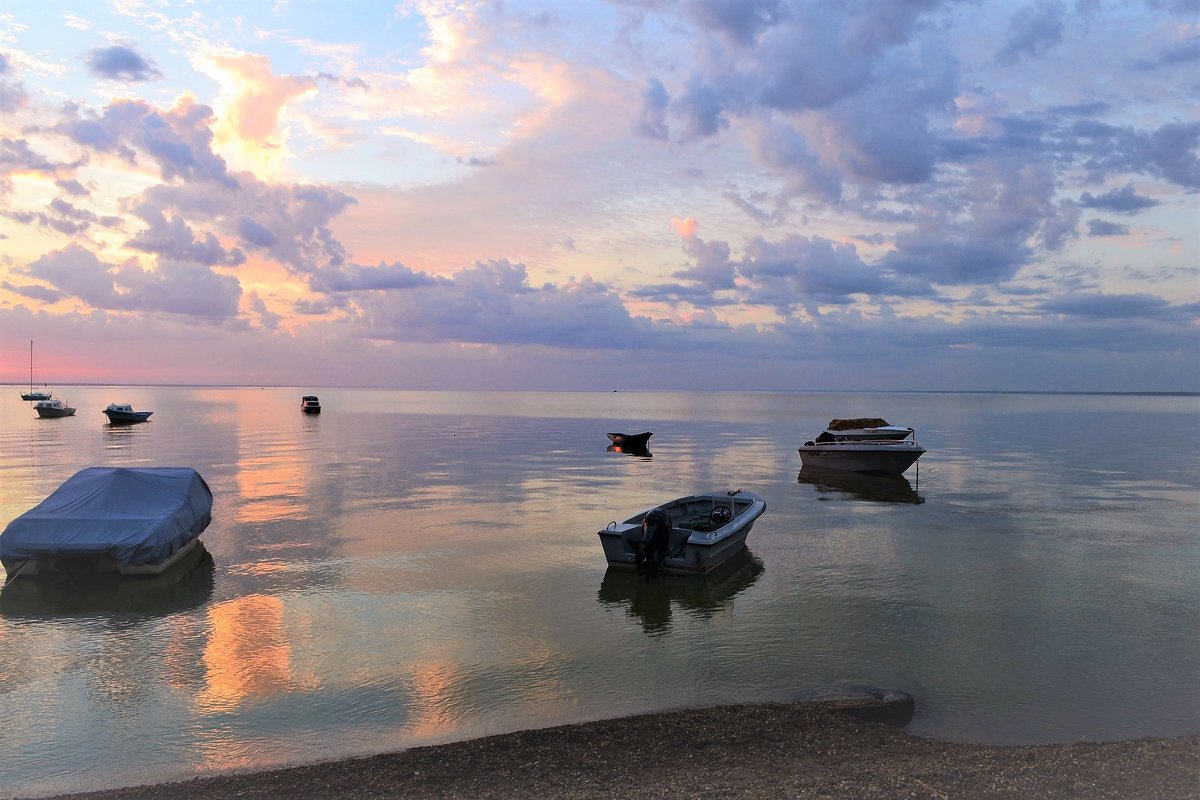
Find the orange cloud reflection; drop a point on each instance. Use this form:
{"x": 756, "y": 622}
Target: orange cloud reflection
{"x": 248, "y": 655}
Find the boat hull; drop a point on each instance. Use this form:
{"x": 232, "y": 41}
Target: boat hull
{"x": 35, "y": 395}
{"x": 694, "y": 551}
{"x": 127, "y": 417}
{"x": 880, "y": 457}
{"x": 630, "y": 440}
{"x": 68, "y": 564}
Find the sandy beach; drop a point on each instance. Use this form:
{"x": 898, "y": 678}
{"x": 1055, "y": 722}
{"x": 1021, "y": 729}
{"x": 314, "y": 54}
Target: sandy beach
{"x": 809, "y": 750}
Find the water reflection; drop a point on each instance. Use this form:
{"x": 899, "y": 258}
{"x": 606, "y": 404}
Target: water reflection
{"x": 248, "y": 655}
{"x": 649, "y": 598}
{"x": 630, "y": 450}
{"x": 860, "y": 485}
{"x": 186, "y": 586}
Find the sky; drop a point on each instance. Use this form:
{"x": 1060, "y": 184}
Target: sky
{"x": 853, "y": 195}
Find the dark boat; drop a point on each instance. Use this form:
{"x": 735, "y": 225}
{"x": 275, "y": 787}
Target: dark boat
{"x": 309, "y": 404}
{"x": 123, "y": 414}
{"x": 53, "y": 409}
{"x": 630, "y": 440}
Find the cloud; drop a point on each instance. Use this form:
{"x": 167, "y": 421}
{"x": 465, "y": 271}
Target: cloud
{"x": 652, "y": 118}
{"x": 177, "y": 140}
{"x": 1100, "y": 227}
{"x": 173, "y": 239}
{"x": 738, "y": 21}
{"x": 352, "y": 278}
{"x": 493, "y": 303}
{"x": 1033, "y": 30}
{"x": 12, "y": 95}
{"x": 1122, "y": 201}
{"x": 174, "y": 287}
{"x": 121, "y": 63}
{"x": 1107, "y": 307}
{"x": 1171, "y": 152}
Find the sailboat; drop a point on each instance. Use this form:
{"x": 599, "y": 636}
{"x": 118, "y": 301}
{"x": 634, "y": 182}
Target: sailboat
{"x": 33, "y": 394}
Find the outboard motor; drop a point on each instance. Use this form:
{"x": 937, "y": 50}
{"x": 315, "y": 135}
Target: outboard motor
{"x": 655, "y": 545}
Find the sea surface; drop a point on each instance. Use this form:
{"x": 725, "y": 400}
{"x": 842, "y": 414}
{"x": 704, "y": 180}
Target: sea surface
{"x": 419, "y": 567}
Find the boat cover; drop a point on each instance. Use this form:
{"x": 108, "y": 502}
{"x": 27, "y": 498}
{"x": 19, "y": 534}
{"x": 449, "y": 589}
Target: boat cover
{"x": 132, "y": 515}
{"x": 856, "y": 423}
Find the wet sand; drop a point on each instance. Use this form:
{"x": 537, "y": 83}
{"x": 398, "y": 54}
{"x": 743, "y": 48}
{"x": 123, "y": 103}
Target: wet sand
{"x": 809, "y": 750}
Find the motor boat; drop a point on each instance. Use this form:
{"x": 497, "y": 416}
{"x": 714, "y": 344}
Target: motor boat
{"x": 123, "y": 413}
{"x": 131, "y": 521}
{"x": 53, "y": 408}
{"x": 309, "y": 404}
{"x": 632, "y": 441}
{"x": 688, "y": 535}
{"x": 863, "y": 429}
{"x": 882, "y": 456}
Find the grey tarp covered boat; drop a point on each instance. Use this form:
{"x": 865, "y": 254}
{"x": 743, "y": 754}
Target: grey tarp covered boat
{"x": 111, "y": 519}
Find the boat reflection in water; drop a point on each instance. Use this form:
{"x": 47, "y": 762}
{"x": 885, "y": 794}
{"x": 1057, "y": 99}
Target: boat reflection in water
{"x": 649, "y": 597}
{"x": 630, "y": 450}
{"x": 184, "y": 586}
{"x": 860, "y": 485}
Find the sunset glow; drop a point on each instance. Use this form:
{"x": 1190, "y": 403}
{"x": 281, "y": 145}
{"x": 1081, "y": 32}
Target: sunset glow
{"x": 263, "y": 193}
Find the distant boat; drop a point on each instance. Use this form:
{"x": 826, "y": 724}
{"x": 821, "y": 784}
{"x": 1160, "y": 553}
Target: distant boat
{"x": 689, "y": 535}
{"x": 123, "y": 413}
{"x": 309, "y": 404}
{"x": 53, "y": 408}
{"x": 630, "y": 440}
{"x": 33, "y": 394}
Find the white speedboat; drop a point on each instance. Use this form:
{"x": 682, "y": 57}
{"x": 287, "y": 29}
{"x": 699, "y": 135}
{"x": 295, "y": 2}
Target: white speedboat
{"x": 132, "y": 521}
{"x": 863, "y": 429}
{"x": 883, "y": 457}
{"x": 691, "y": 534}
{"x": 123, "y": 413}
{"x": 53, "y": 408}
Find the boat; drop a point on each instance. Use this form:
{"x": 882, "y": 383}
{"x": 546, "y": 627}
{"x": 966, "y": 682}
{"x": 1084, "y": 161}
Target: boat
{"x": 630, "y": 440}
{"x": 862, "y": 429}
{"x": 33, "y": 394}
{"x": 119, "y": 413}
{"x": 125, "y": 520}
{"x": 53, "y": 408}
{"x": 688, "y": 535}
{"x": 309, "y": 404}
{"x": 881, "y": 456}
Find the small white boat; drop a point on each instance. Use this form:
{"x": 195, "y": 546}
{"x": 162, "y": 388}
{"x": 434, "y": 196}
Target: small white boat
{"x": 53, "y": 408}
{"x": 882, "y": 457}
{"x": 309, "y": 404}
{"x": 132, "y": 521}
{"x": 689, "y": 535}
{"x": 123, "y": 413}
{"x": 863, "y": 429}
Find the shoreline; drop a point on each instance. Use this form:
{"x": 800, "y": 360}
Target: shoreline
{"x": 794, "y": 750}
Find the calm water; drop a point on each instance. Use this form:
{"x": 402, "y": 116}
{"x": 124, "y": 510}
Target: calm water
{"x": 421, "y": 567}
